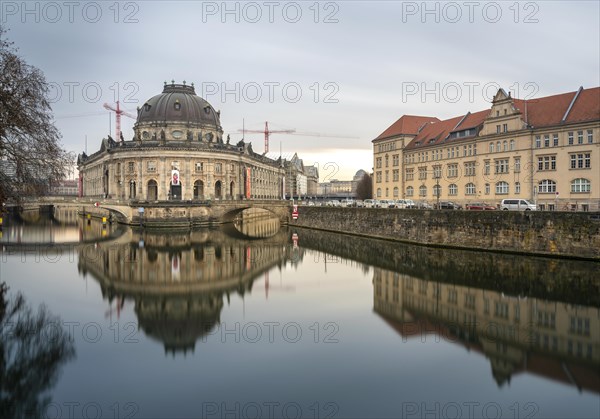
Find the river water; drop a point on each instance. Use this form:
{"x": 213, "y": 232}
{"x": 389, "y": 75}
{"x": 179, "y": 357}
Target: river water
{"x": 207, "y": 323}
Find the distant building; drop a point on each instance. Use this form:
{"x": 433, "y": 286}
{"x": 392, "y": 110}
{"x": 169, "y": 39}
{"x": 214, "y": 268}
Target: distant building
{"x": 341, "y": 188}
{"x": 300, "y": 180}
{"x": 65, "y": 188}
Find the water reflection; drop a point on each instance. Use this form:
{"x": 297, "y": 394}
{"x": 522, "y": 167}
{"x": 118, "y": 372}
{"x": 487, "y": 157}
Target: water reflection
{"x": 556, "y": 340}
{"x": 53, "y": 225}
{"x": 178, "y": 280}
{"x": 33, "y": 348}
{"x": 255, "y": 223}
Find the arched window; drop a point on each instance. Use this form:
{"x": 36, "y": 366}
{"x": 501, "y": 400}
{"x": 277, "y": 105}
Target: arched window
{"x": 498, "y": 146}
{"x": 218, "y": 189}
{"x": 378, "y": 192}
{"x": 505, "y": 145}
{"x": 512, "y": 145}
{"x": 581, "y": 186}
{"x": 547, "y": 186}
{"x": 491, "y": 147}
{"x": 152, "y": 190}
{"x": 198, "y": 189}
{"x": 231, "y": 189}
{"x": 501, "y": 188}
{"x": 470, "y": 189}
{"x": 410, "y": 191}
{"x": 423, "y": 190}
{"x": 396, "y": 192}
{"x": 517, "y": 187}
{"x": 437, "y": 191}
{"x": 452, "y": 189}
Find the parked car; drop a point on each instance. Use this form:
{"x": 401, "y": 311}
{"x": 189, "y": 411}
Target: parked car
{"x": 333, "y": 203}
{"x": 359, "y": 203}
{"x": 409, "y": 203}
{"x": 448, "y": 205}
{"x": 517, "y": 205}
{"x": 480, "y": 206}
{"x": 385, "y": 203}
{"x": 369, "y": 203}
{"x": 424, "y": 205}
{"x": 399, "y": 203}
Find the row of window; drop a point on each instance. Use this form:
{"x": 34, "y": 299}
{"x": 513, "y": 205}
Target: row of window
{"x": 545, "y": 141}
{"x": 501, "y": 166}
{"x": 579, "y": 185}
{"x": 391, "y": 146}
{"x": 395, "y": 161}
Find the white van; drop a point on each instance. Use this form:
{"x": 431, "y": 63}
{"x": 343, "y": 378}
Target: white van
{"x": 517, "y": 205}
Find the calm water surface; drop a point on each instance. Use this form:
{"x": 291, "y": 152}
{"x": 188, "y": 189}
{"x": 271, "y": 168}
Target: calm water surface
{"x": 212, "y": 323}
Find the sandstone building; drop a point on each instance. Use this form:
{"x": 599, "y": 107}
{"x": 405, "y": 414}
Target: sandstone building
{"x": 546, "y": 150}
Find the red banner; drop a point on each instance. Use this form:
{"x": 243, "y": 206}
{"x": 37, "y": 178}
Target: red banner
{"x": 248, "y": 179}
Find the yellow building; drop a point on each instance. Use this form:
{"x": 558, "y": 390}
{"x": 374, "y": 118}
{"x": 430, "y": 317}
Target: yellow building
{"x": 546, "y": 150}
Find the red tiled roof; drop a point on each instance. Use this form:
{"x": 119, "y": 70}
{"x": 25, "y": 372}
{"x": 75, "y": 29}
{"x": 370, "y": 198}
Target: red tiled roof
{"x": 437, "y": 132}
{"x": 407, "y": 124}
{"x": 542, "y": 112}
{"x": 586, "y": 107}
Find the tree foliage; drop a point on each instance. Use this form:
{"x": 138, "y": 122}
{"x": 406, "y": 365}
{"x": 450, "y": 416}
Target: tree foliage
{"x": 31, "y": 157}
{"x": 364, "y": 189}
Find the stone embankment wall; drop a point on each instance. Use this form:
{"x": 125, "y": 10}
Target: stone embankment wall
{"x": 564, "y": 234}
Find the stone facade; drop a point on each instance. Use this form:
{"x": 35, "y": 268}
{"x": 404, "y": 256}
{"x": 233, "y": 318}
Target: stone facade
{"x": 546, "y": 150}
{"x": 178, "y": 153}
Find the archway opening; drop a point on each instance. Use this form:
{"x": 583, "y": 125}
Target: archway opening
{"x": 231, "y": 188}
{"x": 152, "y": 190}
{"x": 175, "y": 191}
{"x": 218, "y": 189}
{"x": 132, "y": 189}
{"x": 198, "y": 189}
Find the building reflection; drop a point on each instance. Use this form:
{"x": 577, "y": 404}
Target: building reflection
{"x": 552, "y": 339}
{"x": 178, "y": 281}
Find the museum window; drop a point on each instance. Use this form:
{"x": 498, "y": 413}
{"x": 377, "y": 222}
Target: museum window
{"x": 130, "y": 167}
{"x": 504, "y": 127}
{"x": 501, "y": 188}
{"x": 498, "y": 129}
{"x": 581, "y": 186}
{"x": 177, "y": 105}
{"x": 470, "y": 189}
{"x": 501, "y": 166}
{"x": 547, "y": 186}
{"x": 546, "y": 163}
{"x": 151, "y": 166}
{"x": 581, "y": 161}
{"x": 199, "y": 167}
{"x": 218, "y": 168}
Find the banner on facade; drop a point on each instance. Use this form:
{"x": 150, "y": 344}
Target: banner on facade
{"x": 175, "y": 177}
{"x": 248, "y": 179}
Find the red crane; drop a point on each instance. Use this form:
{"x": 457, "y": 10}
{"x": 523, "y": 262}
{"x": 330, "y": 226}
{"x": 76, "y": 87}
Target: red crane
{"x": 267, "y": 133}
{"x": 118, "y": 112}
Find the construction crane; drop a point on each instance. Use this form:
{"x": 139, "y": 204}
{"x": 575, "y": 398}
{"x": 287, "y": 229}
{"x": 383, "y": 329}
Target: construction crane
{"x": 118, "y": 112}
{"x": 268, "y": 132}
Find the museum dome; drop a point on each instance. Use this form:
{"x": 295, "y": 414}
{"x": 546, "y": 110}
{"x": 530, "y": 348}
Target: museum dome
{"x": 178, "y": 104}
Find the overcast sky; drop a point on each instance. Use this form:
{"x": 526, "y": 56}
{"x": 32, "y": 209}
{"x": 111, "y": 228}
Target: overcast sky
{"x": 341, "y": 69}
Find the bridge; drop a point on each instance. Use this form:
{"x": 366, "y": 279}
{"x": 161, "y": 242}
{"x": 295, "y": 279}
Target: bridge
{"x": 162, "y": 213}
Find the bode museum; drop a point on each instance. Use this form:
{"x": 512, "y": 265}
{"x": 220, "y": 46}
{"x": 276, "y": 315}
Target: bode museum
{"x": 178, "y": 153}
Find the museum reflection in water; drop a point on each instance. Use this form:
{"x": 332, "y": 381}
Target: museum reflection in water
{"x": 178, "y": 281}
